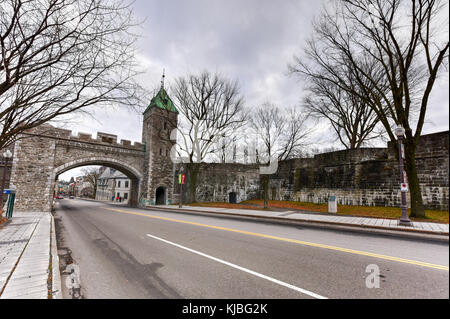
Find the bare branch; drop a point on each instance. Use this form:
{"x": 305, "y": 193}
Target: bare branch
{"x": 60, "y": 56}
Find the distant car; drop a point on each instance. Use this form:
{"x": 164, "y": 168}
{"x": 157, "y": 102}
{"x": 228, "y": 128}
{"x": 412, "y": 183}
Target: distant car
{"x": 59, "y": 197}
{"x": 71, "y": 197}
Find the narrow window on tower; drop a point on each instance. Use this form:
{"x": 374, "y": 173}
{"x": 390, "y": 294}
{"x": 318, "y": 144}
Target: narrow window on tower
{"x": 160, "y": 151}
{"x": 167, "y": 152}
{"x": 165, "y": 125}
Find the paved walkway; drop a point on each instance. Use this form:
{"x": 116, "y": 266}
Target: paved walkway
{"x": 374, "y": 223}
{"x": 25, "y": 257}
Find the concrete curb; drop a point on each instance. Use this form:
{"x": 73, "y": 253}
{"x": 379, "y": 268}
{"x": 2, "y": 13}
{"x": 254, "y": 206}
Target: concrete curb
{"x": 313, "y": 222}
{"x": 56, "y": 275}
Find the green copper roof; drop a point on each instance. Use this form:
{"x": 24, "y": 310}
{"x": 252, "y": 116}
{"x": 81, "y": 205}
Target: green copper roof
{"x": 163, "y": 101}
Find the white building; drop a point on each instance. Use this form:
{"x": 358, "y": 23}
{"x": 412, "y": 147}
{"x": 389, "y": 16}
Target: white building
{"x": 113, "y": 185}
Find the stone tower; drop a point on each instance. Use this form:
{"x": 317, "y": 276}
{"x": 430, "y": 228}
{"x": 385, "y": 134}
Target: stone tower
{"x": 160, "y": 118}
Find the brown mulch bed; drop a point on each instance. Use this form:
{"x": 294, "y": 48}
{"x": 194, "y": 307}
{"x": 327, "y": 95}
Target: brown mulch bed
{"x": 3, "y": 220}
{"x": 361, "y": 211}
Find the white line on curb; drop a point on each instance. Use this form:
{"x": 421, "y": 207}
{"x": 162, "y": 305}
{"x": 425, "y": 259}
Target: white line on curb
{"x": 279, "y": 282}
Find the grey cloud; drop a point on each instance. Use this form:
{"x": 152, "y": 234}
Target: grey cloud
{"x": 251, "y": 40}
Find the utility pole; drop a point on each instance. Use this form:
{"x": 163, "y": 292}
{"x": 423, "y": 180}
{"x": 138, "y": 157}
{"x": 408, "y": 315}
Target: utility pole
{"x": 404, "y": 220}
{"x": 181, "y": 181}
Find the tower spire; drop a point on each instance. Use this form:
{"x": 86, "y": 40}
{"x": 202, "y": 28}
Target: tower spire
{"x": 162, "y": 80}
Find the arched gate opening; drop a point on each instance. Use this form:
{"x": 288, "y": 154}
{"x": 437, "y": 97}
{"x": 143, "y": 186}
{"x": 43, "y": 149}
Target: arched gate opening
{"x": 161, "y": 196}
{"x": 133, "y": 175}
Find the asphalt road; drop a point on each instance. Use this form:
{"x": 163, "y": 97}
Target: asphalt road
{"x": 133, "y": 253}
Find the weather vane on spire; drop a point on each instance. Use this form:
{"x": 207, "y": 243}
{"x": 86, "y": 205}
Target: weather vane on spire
{"x": 162, "y": 80}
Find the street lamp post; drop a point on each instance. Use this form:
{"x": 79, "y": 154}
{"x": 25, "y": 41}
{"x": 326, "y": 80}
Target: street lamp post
{"x": 6, "y": 155}
{"x": 180, "y": 202}
{"x": 404, "y": 220}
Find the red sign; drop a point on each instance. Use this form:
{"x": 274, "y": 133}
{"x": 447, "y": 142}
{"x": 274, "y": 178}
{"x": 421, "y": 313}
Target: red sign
{"x": 404, "y": 187}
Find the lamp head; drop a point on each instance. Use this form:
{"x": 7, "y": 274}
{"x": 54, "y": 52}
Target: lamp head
{"x": 399, "y": 131}
{"x": 7, "y": 154}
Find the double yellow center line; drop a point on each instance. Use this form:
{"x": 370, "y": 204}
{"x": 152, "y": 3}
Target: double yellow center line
{"x": 295, "y": 241}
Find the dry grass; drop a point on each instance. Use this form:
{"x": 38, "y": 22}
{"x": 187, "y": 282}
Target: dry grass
{"x": 3, "y": 220}
{"x": 362, "y": 211}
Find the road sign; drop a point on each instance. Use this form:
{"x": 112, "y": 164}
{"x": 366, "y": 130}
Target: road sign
{"x": 404, "y": 187}
{"x": 332, "y": 204}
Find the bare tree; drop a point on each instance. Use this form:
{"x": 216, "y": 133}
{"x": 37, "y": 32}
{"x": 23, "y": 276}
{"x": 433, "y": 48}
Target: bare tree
{"x": 225, "y": 149}
{"x": 353, "y": 121}
{"x": 60, "y": 56}
{"x": 282, "y": 134}
{"x": 268, "y": 126}
{"x": 91, "y": 176}
{"x": 400, "y": 37}
{"x": 212, "y": 108}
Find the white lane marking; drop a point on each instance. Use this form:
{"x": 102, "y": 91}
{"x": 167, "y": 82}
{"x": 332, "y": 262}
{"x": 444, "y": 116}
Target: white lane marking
{"x": 279, "y": 282}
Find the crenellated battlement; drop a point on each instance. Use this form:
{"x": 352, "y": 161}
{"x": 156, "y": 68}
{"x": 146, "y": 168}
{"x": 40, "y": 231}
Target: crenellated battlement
{"x": 43, "y": 153}
{"x": 102, "y": 138}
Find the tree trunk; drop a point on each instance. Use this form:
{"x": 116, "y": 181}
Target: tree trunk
{"x": 193, "y": 169}
{"x": 417, "y": 208}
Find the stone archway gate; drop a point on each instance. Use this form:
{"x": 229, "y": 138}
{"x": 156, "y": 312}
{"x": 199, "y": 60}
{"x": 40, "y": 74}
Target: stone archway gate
{"x": 41, "y": 154}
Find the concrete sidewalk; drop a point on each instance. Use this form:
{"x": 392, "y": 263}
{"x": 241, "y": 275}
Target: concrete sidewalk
{"x": 321, "y": 218}
{"x": 29, "y": 266}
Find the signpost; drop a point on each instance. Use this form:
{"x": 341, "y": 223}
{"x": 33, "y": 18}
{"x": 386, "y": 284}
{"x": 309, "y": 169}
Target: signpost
{"x": 181, "y": 179}
{"x": 332, "y": 205}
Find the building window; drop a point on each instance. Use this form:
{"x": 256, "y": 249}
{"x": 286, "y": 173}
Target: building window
{"x": 167, "y": 152}
{"x": 118, "y": 183}
{"x": 165, "y": 125}
{"x": 125, "y": 196}
{"x": 160, "y": 151}
{"x": 126, "y": 184}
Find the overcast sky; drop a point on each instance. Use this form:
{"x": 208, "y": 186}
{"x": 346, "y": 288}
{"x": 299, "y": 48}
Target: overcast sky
{"x": 251, "y": 41}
